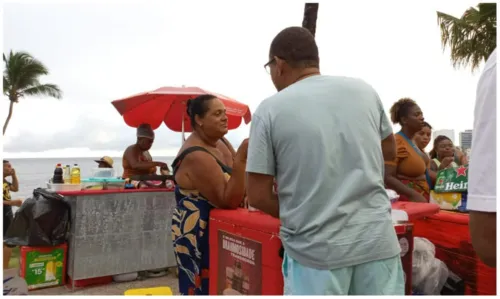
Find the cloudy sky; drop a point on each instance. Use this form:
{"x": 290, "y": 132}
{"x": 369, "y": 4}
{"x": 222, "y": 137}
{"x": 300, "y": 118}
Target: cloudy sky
{"x": 98, "y": 52}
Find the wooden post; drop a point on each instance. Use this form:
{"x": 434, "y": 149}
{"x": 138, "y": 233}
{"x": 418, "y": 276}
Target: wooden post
{"x": 310, "y": 17}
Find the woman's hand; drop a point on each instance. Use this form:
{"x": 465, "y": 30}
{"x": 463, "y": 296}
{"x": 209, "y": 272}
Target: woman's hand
{"x": 446, "y": 163}
{"x": 242, "y": 152}
{"x": 161, "y": 164}
{"x": 417, "y": 197}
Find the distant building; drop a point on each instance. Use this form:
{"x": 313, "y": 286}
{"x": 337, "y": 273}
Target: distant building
{"x": 465, "y": 139}
{"x": 448, "y": 133}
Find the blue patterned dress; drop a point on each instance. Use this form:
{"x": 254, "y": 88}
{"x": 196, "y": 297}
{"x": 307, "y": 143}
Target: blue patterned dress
{"x": 190, "y": 233}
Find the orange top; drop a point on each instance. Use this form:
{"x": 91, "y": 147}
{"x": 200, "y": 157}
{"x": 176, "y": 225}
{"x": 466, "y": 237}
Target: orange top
{"x": 409, "y": 162}
{"x": 128, "y": 171}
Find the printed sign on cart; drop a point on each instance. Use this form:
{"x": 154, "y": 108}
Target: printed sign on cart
{"x": 240, "y": 265}
{"x": 44, "y": 269}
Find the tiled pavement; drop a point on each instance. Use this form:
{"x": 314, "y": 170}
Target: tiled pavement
{"x": 169, "y": 280}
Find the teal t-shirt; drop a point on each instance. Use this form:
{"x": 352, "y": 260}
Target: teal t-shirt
{"x": 321, "y": 139}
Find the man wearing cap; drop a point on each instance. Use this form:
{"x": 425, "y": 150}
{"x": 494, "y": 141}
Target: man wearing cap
{"x": 136, "y": 158}
{"x": 105, "y": 162}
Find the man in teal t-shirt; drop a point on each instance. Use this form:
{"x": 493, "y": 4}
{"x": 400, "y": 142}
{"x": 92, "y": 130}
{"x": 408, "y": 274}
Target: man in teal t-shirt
{"x": 324, "y": 139}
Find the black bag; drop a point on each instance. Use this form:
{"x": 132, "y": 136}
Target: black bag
{"x": 454, "y": 286}
{"x": 42, "y": 220}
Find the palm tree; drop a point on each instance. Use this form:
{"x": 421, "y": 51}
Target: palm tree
{"x": 471, "y": 38}
{"x": 310, "y": 17}
{"x": 20, "y": 79}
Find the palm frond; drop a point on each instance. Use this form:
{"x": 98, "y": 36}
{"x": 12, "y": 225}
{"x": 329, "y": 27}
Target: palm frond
{"x": 471, "y": 38}
{"x": 5, "y": 86}
{"x": 21, "y": 77}
{"x": 50, "y": 90}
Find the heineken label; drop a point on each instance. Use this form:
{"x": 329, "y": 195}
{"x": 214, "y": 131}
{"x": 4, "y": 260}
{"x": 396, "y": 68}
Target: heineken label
{"x": 452, "y": 180}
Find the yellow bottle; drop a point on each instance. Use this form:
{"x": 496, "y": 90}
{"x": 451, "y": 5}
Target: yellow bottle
{"x": 75, "y": 174}
{"x": 50, "y": 271}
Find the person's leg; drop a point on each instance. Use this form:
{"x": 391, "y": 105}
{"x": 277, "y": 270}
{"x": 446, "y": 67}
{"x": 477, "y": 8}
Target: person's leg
{"x": 7, "y": 252}
{"x": 302, "y": 280}
{"x": 382, "y": 277}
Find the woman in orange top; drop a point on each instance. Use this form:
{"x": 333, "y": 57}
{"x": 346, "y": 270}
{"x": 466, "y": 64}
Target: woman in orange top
{"x": 136, "y": 158}
{"x": 406, "y": 173}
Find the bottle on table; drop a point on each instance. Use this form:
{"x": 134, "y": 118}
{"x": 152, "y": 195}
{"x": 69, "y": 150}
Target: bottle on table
{"x": 75, "y": 174}
{"x": 67, "y": 174}
{"x": 58, "y": 175}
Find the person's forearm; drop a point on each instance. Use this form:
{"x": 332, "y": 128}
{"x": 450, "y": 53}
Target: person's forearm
{"x": 393, "y": 183}
{"x": 482, "y": 226}
{"x": 269, "y": 204}
{"x": 235, "y": 190}
{"x": 432, "y": 175}
{"x": 15, "y": 184}
{"x": 143, "y": 165}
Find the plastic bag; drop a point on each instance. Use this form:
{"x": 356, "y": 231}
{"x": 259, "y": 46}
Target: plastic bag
{"x": 429, "y": 274}
{"x": 13, "y": 284}
{"x": 393, "y": 196}
{"x": 42, "y": 220}
{"x": 454, "y": 286}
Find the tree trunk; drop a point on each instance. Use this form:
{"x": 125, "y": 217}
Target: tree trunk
{"x": 11, "y": 106}
{"x": 310, "y": 17}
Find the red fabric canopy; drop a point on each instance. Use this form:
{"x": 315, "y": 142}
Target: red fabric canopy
{"x": 168, "y": 105}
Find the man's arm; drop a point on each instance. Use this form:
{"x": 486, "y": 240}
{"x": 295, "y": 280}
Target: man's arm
{"x": 14, "y": 187}
{"x": 133, "y": 161}
{"x": 261, "y": 168}
{"x": 388, "y": 141}
{"x": 260, "y": 193}
{"x": 389, "y": 148}
{"x": 481, "y": 199}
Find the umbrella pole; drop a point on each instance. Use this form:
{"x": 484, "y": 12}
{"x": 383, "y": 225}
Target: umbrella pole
{"x": 183, "y": 138}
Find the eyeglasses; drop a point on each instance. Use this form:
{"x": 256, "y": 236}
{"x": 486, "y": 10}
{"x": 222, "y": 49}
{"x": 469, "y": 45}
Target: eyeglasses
{"x": 267, "y": 66}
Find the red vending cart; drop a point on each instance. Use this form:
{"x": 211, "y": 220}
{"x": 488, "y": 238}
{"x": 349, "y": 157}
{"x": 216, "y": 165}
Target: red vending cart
{"x": 244, "y": 251}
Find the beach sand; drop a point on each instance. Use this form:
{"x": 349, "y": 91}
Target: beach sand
{"x": 169, "y": 280}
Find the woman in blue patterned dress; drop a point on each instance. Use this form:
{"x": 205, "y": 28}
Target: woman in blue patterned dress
{"x": 204, "y": 181}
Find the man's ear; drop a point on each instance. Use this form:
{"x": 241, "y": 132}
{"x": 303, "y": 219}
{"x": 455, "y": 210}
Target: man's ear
{"x": 280, "y": 65}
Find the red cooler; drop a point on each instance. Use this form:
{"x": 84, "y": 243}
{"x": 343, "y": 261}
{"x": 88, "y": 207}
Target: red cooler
{"x": 405, "y": 234}
{"x": 449, "y": 232}
{"x": 244, "y": 253}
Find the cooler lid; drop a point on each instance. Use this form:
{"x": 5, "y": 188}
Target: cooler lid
{"x": 452, "y": 216}
{"x": 416, "y": 210}
{"x": 103, "y": 180}
{"x": 252, "y": 220}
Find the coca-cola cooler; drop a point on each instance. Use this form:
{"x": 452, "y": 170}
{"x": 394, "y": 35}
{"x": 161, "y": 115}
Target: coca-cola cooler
{"x": 245, "y": 245}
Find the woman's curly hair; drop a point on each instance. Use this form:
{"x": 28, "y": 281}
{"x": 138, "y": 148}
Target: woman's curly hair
{"x": 401, "y": 109}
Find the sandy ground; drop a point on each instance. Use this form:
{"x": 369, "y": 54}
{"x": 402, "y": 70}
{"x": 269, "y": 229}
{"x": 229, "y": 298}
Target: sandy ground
{"x": 169, "y": 280}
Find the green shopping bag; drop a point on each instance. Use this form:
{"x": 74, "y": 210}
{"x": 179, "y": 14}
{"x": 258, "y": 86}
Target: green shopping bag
{"x": 452, "y": 180}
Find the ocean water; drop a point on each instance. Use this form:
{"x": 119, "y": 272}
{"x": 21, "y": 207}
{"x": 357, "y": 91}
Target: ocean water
{"x": 35, "y": 173}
